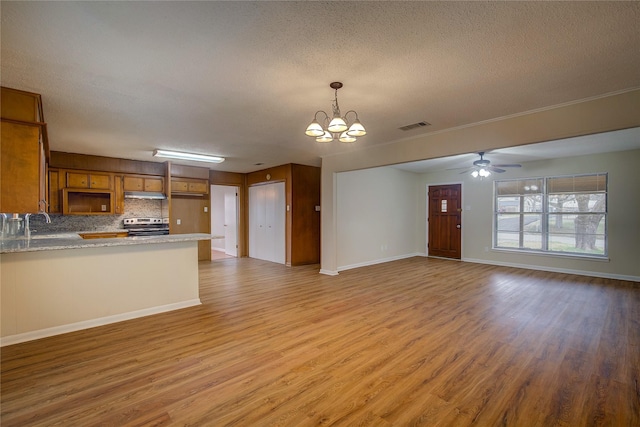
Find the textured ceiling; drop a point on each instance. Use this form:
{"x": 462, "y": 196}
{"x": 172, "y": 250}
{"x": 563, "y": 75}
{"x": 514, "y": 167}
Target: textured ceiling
{"x": 243, "y": 79}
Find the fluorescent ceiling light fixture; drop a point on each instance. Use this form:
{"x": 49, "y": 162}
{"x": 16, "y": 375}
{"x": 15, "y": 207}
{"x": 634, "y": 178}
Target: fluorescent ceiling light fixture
{"x": 187, "y": 156}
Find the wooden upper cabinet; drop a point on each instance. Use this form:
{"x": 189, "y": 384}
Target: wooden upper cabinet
{"x": 154, "y": 184}
{"x": 179, "y": 186}
{"x": 143, "y": 183}
{"x": 189, "y": 186}
{"x": 99, "y": 181}
{"x": 21, "y": 170}
{"x": 118, "y": 194}
{"x": 55, "y": 192}
{"x": 23, "y": 152}
{"x": 20, "y": 105}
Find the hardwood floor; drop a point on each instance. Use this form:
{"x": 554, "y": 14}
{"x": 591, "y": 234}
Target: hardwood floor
{"x": 412, "y": 342}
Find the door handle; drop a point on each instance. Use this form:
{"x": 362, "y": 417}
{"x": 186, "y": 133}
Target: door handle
{"x": 458, "y": 226}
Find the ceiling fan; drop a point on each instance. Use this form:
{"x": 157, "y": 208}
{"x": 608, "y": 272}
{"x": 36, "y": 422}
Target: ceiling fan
{"x": 483, "y": 168}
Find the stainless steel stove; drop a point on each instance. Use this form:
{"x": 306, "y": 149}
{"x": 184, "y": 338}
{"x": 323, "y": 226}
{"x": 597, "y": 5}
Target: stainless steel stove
{"x": 146, "y": 226}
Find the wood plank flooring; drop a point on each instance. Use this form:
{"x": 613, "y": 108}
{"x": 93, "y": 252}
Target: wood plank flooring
{"x": 413, "y": 342}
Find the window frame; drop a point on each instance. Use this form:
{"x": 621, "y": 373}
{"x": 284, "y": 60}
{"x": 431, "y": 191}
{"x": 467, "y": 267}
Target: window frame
{"x": 545, "y": 214}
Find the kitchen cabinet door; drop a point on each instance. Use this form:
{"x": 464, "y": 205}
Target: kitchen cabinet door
{"x": 186, "y": 186}
{"x": 143, "y": 183}
{"x": 55, "y": 192}
{"x": 88, "y": 180}
{"x": 133, "y": 183}
{"x": 119, "y": 194}
{"x": 154, "y": 184}
{"x": 20, "y": 157}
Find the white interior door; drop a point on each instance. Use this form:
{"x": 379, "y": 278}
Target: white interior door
{"x": 254, "y": 222}
{"x": 279, "y": 223}
{"x": 267, "y": 210}
{"x": 231, "y": 222}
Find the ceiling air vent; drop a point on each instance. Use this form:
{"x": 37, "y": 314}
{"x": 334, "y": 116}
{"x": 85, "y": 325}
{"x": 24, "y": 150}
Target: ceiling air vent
{"x": 415, "y": 125}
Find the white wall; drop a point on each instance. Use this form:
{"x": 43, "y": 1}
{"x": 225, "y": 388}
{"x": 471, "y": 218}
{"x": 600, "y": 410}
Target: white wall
{"x": 377, "y": 216}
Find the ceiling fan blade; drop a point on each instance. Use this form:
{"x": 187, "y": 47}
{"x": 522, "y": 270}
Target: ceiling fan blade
{"x": 514, "y": 165}
{"x": 466, "y": 171}
{"x": 495, "y": 169}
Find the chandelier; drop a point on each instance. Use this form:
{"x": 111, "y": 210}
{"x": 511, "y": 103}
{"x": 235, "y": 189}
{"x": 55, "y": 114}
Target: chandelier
{"x": 337, "y": 126}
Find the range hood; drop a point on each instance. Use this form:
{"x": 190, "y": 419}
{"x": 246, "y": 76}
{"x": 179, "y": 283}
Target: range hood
{"x": 152, "y": 195}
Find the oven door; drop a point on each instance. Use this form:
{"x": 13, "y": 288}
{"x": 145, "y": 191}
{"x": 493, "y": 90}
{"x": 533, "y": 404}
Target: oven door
{"x": 148, "y": 231}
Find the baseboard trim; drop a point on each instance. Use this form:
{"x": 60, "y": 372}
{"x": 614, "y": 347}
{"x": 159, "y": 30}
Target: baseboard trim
{"x": 86, "y": 324}
{"x": 556, "y": 270}
{"x": 328, "y": 272}
{"x": 379, "y": 261}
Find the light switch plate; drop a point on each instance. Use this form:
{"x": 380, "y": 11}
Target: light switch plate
{"x": 178, "y": 222}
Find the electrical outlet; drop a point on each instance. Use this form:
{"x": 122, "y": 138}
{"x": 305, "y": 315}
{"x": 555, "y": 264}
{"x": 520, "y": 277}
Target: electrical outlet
{"x": 104, "y": 208}
{"x": 178, "y": 222}
{"x": 206, "y": 209}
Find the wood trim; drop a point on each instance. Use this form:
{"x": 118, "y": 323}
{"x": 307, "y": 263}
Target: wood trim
{"x": 227, "y": 178}
{"x": 183, "y": 171}
{"x": 63, "y": 160}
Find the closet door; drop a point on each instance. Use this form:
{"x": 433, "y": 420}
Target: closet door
{"x": 254, "y": 222}
{"x": 278, "y": 223}
{"x": 267, "y": 211}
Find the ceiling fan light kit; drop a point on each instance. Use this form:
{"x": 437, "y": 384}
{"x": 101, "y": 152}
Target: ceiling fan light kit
{"x": 337, "y": 126}
{"x": 483, "y": 168}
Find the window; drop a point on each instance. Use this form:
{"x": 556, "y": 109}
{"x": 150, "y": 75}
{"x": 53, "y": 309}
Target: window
{"x": 565, "y": 214}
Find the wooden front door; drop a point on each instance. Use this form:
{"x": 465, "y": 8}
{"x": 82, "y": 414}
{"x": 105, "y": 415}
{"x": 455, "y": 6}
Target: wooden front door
{"x": 445, "y": 215}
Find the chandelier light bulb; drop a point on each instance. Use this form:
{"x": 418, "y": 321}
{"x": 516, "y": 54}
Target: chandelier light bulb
{"x": 325, "y": 137}
{"x": 357, "y": 129}
{"x": 345, "y": 137}
{"x": 314, "y": 129}
{"x": 475, "y": 174}
{"x": 337, "y": 124}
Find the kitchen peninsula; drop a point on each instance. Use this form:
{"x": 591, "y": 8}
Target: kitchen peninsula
{"x": 59, "y": 283}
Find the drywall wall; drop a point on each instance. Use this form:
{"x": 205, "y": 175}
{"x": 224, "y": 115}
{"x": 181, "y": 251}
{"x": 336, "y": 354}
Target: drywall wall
{"x": 377, "y": 214}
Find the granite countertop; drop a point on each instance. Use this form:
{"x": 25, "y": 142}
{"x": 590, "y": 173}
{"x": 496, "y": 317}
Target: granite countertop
{"x": 66, "y": 240}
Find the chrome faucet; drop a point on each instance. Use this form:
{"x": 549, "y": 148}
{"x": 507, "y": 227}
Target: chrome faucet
{"x": 27, "y": 230}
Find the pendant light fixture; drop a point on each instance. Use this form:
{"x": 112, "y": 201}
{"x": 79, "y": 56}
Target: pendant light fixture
{"x": 336, "y": 126}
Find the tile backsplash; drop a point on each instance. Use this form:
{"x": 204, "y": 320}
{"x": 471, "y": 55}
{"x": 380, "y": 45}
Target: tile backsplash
{"x": 134, "y": 208}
